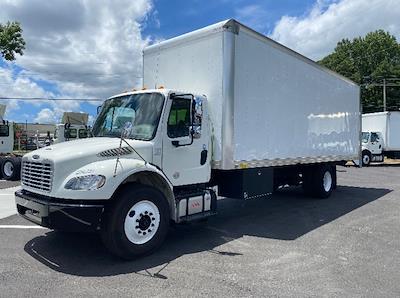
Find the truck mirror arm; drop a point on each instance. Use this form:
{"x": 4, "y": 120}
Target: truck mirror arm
{"x": 177, "y": 143}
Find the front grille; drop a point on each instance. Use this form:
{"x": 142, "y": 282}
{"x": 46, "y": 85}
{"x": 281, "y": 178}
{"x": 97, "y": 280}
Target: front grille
{"x": 37, "y": 175}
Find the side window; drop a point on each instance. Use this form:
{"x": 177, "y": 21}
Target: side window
{"x": 4, "y": 130}
{"x": 374, "y": 137}
{"x": 179, "y": 118}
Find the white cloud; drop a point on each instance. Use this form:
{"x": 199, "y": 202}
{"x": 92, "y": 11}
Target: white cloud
{"x": 316, "y": 34}
{"x": 46, "y": 116}
{"x": 87, "y": 48}
{"x": 19, "y": 86}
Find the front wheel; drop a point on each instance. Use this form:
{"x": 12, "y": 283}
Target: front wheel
{"x": 366, "y": 158}
{"x": 137, "y": 224}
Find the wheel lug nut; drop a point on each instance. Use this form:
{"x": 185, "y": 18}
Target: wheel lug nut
{"x": 146, "y": 212}
{"x": 153, "y": 218}
{"x": 137, "y": 227}
{"x": 149, "y": 230}
{"x": 151, "y": 214}
{"x": 144, "y": 233}
{"x": 152, "y": 225}
{"x": 140, "y": 232}
{"x": 132, "y": 213}
{"x": 137, "y": 220}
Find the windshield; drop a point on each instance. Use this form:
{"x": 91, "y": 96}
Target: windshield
{"x": 365, "y": 137}
{"x": 142, "y": 110}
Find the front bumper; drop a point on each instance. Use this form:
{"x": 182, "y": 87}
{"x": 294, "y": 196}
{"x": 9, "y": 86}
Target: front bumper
{"x": 59, "y": 214}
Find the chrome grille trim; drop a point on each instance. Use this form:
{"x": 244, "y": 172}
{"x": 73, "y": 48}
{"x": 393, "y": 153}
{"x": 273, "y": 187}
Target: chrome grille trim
{"x": 37, "y": 175}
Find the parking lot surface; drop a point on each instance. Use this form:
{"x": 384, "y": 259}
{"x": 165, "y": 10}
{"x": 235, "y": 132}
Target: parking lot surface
{"x": 286, "y": 245}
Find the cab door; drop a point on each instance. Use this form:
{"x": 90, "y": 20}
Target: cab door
{"x": 376, "y": 143}
{"x": 186, "y": 140}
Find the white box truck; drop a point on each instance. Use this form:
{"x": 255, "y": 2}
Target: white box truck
{"x": 380, "y": 136}
{"x": 242, "y": 115}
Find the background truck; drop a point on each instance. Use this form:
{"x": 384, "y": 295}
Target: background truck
{"x": 243, "y": 116}
{"x": 380, "y": 136}
{"x": 10, "y": 163}
{"x": 73, "y": 126}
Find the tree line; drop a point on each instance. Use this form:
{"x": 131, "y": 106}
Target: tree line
{"x": 370, "y": 61}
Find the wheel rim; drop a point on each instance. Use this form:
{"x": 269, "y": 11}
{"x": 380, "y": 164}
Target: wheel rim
{"x": 327, "y": 181}
{"x": 8, "y": 168}
{"x": 366, "y": 159}
{"x": 142, "y": 222}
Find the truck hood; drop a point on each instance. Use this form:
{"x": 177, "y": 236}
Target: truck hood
{"x": 80, "y": 156}
{"x": 69, "y": 157}
{"x": 89, "y": 150}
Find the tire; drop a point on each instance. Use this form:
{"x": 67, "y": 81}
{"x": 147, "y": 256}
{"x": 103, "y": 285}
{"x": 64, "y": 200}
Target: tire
{"x": 137, "y": 223}
{"x": 319, "y": 181}
{"x": 366, "y": 158}
{"x": 11, "y": 168}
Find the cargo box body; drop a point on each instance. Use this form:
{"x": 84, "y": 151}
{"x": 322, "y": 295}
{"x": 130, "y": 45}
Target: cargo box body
{"x": 387, "y": 123}
{"x": 269, "y": 106}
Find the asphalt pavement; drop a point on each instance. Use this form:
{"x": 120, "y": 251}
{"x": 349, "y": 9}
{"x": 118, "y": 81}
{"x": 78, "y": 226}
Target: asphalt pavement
{"x": 286, "y": 245}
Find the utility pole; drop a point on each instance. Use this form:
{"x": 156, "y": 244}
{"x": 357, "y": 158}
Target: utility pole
{"x": 384, "y": 94}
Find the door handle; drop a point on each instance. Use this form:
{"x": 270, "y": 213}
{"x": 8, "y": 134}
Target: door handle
{"x": 203, "y": 156}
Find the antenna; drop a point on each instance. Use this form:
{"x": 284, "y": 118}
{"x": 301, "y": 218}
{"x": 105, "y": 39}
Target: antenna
{"x": 126, "y": 131}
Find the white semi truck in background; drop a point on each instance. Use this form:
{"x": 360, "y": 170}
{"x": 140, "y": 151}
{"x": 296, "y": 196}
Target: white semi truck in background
{"x": 73, "y": 126}
{"x": 380, "y": 136}
{"x": 242, "y": 115}
{"x": 10, "y": 164}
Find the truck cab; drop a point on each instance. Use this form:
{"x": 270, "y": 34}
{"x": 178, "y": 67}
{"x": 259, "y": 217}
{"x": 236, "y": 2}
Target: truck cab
{"x": 372, "y": 147}
{"x": 6, "y": 133}
{"x": 154, "y": 143}
{"x": 6, "y": 137}
{"x": 73, "y": 126}
{"x": 9, "y": 163}
{"x": 70, "y": 132}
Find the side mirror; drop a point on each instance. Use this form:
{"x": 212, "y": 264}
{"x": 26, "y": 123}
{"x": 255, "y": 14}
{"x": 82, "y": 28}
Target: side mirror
{"x": 197, "y": 117}
{"x": 195, "y": 131}
{"x": 183, "y": 141}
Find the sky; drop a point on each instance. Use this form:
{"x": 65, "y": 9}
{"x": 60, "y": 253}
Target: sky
{"x": 93, "y": 48}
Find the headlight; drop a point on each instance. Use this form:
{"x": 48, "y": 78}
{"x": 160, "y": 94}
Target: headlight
{"x": 88, "y": 182}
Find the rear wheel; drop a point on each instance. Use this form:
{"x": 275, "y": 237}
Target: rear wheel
{"x": 11, "y": 168}
{"x": 319, "y": 181}
{"x": 137, "y": 224}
